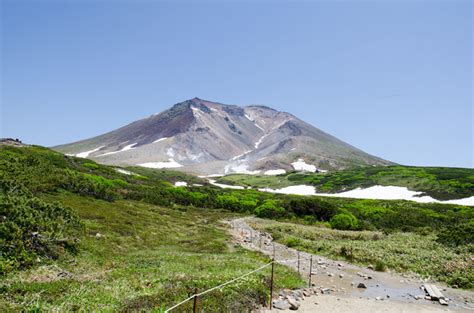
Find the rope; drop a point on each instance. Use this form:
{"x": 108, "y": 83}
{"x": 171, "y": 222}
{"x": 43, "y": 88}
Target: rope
{"x": 220, "y": 286}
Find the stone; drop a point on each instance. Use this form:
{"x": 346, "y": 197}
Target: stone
{"x": 306, "y": 293}
{"x": 281, "y": 304}
{"x": 341, "y": 275}
{"x": 294, "y": 305}
{"x": 370, "y": 267}
{"x": 325, "y": 290}
{"x": 361, "y": 285}
{"x": 378, "y": 298}
{"x": 330, "y": 274}
{"x": 443, "y": 302}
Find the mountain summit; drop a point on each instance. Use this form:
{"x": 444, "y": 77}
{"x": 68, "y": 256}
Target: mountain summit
{"x": 206, "y": 137}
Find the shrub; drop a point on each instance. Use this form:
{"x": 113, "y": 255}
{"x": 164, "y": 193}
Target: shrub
{"x": 292, "y": 241}
{"x": 270, "y": 209}
{"x": 31, "y": 227}
{"x": 320, "y": 209}
{"x": 344, "y": 221}
{"x": 456, "y": 236}
{"x": 380, "y": 266}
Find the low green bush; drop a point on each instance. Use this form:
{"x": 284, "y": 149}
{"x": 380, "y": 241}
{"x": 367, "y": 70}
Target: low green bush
{"x": 270, "y": 209}
{"x": 344, "y": 221}
{"x": 31, "y": 228}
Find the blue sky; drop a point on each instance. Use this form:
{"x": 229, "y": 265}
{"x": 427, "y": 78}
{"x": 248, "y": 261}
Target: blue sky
{"x": 393, "y": 78}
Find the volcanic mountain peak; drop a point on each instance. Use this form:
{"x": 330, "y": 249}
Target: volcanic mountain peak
{"x": 212, "y": 138}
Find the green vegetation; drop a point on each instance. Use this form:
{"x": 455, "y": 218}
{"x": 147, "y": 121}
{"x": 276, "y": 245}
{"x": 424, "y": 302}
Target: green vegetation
{"x": 73, "y": 238}
{"x": 32, "y": 228}
{"x": 344, "y": 221}
{"x": 441, "y": 183}
{"x": 404, "y": 252}
{"x": 77, "y": 235}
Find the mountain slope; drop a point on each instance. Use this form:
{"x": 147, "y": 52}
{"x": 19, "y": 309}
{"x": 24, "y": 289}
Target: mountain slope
{"x": 212, "y": 138}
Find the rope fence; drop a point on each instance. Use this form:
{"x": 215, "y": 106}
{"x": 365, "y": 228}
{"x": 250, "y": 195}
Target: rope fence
{"x": 196, "y": 295}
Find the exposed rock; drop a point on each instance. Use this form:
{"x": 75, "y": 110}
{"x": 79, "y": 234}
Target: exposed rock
{"x": 294, "y": 305}
{"x": 361, "y": 285}
{"x": 325, "y": 290}
{"x": 281, "y": 304}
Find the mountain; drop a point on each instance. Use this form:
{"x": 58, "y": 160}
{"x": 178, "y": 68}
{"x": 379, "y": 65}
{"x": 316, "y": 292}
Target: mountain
{"x": 206, "y": 137}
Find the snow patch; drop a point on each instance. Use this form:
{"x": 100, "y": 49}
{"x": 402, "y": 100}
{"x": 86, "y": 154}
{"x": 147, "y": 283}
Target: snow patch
{"x": 374, "y": 192}
{"x": 128, "y": 147}
{"x": 239, "y": 168}
{"x": 275, "y": 172}
{"x": 212, "y": 175}
{"x": 213, "y": 182}
{"x": 465, "y": 201}
{"x": 260, "y": 141}
{"x": 85, "y": 154}
{"x": 161, "y": 139}
{"x": 121, "y": 170}
{"x": 301, "y": 165}
{"x": 170, "y": 164}
{"x": 258, "y": 126}
{"x": 170, "y": 152}
{"x": 301, "y": 190}
{"x": 180, "y": 184}
{"x": 240, "y": 155}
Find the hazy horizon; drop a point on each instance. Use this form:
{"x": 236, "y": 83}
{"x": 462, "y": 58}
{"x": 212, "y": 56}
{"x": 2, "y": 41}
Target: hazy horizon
{"x": 394, "y": 80}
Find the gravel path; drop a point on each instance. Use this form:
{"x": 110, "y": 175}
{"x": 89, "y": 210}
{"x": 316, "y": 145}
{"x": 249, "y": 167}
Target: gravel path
{"x": 335, "y": 282}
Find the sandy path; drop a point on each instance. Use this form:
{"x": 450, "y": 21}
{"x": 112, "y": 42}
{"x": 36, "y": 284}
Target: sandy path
{"x": 385, "y": 292}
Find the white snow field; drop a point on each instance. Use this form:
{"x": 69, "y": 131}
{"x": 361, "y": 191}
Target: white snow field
{"x": 180, "y": 184}
{"x": 127, "y": 147}
{"x": 121, "y": 170}
{"x": 275, "y": 172}
{"x": 374, "y": 192}
{"x": 170, "y": 164}
{"x": 213, "y": 182}
{"x": 301, "y": 165}
{"x": 161, "y": 139}
{"x": 85, "y": 154}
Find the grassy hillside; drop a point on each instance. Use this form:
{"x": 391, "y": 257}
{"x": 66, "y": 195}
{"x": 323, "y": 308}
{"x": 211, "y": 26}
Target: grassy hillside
{"x": 441, "y": 183}
{"x": 80, "y": 244}
{"x": 77, "y": 235}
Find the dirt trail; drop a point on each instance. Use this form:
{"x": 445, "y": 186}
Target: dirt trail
{"x": 385, "y": 292}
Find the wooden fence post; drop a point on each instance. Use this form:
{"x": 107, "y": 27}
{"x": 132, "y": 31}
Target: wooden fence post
{"x": 298, "y": 262}
{"x": 271, "y": 286}
{"x": 195, "y": 301}
{"x": 310, "y": 267}
{"x": 273, "y": 250}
